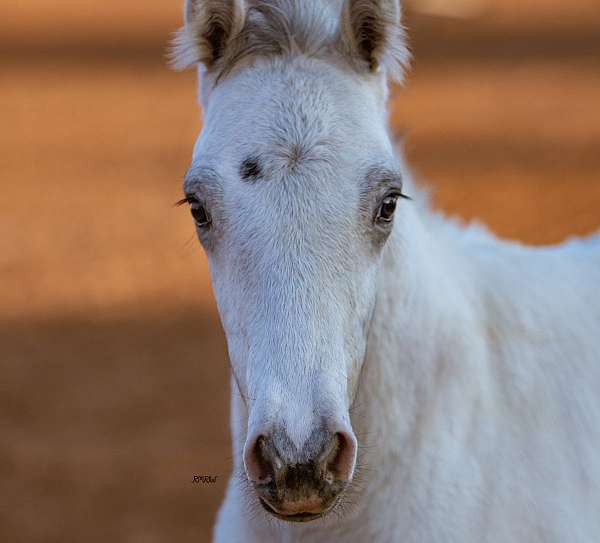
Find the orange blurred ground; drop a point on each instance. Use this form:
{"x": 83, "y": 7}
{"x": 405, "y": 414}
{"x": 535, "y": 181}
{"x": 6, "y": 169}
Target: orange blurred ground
{"x": 113, "y": 388}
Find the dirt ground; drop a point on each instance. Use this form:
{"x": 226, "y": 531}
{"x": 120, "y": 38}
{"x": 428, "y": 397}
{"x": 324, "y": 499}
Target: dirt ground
{"x": 113, "y": 387}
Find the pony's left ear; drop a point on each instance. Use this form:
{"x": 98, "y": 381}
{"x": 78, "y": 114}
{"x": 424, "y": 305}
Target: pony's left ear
{"x": 373, "y": 35}
{"x": 209, "y": 27}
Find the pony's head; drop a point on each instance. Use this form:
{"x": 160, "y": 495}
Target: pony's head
{"x": 294, "y": 186}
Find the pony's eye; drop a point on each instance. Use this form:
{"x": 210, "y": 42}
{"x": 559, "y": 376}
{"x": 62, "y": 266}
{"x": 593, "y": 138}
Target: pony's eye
{"x": 387, "y": 208}
{"x": 200, "y": 214}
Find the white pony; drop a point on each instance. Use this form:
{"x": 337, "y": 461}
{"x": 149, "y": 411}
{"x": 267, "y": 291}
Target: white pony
{"x": 395, "y": 377}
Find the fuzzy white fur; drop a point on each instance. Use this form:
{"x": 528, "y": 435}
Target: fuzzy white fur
{"x": 473, "y": 388}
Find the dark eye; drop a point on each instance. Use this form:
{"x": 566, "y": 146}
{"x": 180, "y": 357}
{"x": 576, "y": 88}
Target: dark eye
{"x": 387, "y": 208}
{"x": 199, "y": 213}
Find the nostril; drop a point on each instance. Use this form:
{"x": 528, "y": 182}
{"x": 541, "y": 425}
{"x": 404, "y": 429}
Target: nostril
{"x": 341, "y": 457}
{"x": 254, "y": 460}
{"x": 261, "y": 460}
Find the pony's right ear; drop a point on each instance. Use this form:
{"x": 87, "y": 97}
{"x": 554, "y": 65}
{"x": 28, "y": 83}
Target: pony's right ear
{"x": 209, "y": 27}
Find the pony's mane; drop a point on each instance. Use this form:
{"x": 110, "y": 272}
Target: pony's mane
{"x": 285, "y": 28}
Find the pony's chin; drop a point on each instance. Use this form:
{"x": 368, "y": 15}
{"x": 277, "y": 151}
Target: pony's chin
{"x": 296, "y": 517}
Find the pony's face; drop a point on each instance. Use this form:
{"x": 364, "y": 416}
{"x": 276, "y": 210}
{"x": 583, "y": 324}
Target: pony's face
{"x": 294, "y": 189}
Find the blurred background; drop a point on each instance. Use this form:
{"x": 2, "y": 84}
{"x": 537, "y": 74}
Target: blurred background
{"x": 113, "y": 368}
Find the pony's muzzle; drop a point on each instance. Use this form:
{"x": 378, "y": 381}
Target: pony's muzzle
{"x": 300, "y": 485}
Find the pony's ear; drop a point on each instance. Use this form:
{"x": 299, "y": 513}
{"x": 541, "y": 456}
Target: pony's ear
{"x": 373, "y": 35}
{"x": 209, "y": 27}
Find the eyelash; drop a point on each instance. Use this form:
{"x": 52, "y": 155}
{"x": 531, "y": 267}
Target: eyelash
{"x": 187, "y": 200}
{"x": 200, "y": 213}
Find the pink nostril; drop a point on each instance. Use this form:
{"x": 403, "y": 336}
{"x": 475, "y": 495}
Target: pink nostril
{"x": 341, "y": 459}
{"x": 254, "y": 461}
{"x": 260, "y": 460}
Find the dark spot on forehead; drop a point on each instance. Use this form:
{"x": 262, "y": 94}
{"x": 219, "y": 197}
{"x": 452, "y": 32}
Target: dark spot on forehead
{"x": 250, "y": 169}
